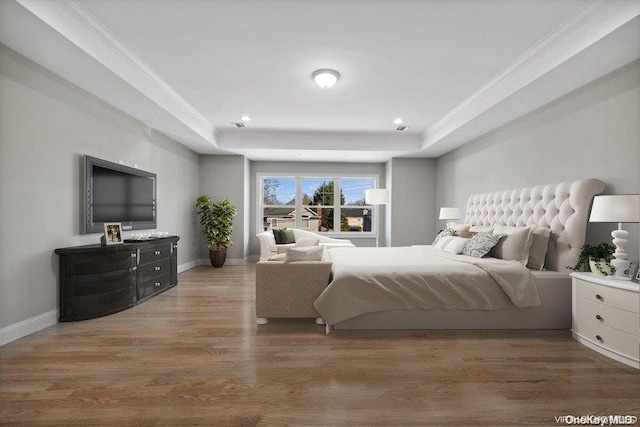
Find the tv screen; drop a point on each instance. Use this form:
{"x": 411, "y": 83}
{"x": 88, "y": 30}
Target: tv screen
{"x": 118, "y": 193}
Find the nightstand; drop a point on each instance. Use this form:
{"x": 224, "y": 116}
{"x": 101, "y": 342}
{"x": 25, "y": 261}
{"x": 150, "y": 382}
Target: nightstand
{"x": 605, "y": 316}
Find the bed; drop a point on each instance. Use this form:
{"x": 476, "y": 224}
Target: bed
{"x": 420, "y": 287}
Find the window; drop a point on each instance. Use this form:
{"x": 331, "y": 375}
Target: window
{"x": 316, "y": 203}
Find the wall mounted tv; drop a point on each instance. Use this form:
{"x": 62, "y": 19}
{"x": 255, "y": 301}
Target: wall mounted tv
{"x": 118, "y": 193}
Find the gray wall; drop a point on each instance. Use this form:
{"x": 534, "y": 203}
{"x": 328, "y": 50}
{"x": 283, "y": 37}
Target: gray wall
{"x": 312, "y": 167}
{"x": 223, "y": 177}
{"x": 592, "y": 132}
{"x": 46, "y": 125}
{"x": 412, "y": 214}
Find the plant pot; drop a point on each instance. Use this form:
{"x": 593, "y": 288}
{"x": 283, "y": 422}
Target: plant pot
{"x": 600, "y": 266}
{"x": 217, "y": 257}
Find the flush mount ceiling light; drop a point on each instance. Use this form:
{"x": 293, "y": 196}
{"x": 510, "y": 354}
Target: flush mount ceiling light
{"x": 397, "y": 121}
{"x": 245, "y": 118}
{"x": 325, "y": 78}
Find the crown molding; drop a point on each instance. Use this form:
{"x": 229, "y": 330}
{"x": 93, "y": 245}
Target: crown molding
{"x": 591, "y": 23}
{"x": 74, "y": 22}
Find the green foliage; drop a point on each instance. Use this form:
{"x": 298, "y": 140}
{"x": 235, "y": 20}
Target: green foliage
{"x": 216, "y": 219}
{"x": 324, "y": 196}
{"x": 603, "y": 250}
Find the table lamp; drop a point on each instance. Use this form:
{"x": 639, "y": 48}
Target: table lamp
{"x": 377, "y": 196}
{"x": 452, "y": 214}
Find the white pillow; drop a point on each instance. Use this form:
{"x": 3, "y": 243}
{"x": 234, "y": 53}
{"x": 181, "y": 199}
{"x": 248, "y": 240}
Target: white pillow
{"x": 308, "y": 253}
{"x": 539, "y": 248}
{"x": 482, "y": 228}
{"x": 456, "y": 245}
{"x": 443, "y": 242}
{"x": 458, "y": 227}
{"x": 515, "y": 244}
{"x": 307, "y": 241}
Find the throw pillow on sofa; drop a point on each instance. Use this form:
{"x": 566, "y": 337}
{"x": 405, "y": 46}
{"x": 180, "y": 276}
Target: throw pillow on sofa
{"x": 306, "y": 241}
{"x": 307, "y": 253}
{"x": 284, "y": 236}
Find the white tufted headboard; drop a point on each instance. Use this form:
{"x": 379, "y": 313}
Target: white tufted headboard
{"x": 563, "y": 207}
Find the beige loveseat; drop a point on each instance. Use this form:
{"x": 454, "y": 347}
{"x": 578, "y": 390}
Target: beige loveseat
{"x": 268, "y": 246}
{"x": 288, "y": 289}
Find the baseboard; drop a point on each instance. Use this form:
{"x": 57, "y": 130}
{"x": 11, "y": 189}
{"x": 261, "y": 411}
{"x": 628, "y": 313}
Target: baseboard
{"x": 28, "y": 327}
{"x": 188, "y": 265}
{"x": 254, "y": 258}
{"x": 228, "y": 261}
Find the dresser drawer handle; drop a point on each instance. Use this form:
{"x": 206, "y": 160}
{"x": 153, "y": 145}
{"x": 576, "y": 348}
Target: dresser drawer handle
{"x": 598, "y": 297}
{"x": 598, "y": 317}
{"x": 157, "y": 252}
{"x": 175, "y": 246}
{"x": 133, "y": 255}
{"x": 157, "y": 269}
{"x": 599, "y": 338}
{"x": 157, "y": 284}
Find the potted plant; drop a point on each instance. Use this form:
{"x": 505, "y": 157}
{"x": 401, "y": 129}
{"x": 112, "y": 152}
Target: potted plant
{"x": 216, "y": 219}
{"x": 598, "y": 258}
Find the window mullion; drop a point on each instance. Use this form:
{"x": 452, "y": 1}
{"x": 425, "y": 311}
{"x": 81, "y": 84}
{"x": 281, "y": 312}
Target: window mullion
{"x": 299, "y": 202}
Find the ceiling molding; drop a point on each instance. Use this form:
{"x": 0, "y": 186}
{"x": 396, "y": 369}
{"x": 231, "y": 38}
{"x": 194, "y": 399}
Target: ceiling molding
{"x": 73, "y": 21}
{"x": 593, "y": 22}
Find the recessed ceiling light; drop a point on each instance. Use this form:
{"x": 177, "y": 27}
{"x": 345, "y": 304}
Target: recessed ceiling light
{"x": 245, "y": 118}
{"x": 325, "y": 78}
{"x": 397, "y": 121}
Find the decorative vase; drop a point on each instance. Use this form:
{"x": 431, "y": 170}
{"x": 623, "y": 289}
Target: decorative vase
{"x": 217, "y": 257}
{"x": 600, "y": 266}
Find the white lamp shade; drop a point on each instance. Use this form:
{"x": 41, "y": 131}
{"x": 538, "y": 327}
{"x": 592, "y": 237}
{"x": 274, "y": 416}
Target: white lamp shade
{"x": 325, "y": 78}
{"x": 377, "y": 196}
{"x": 616, "y": 208}
{"x": 449, "y": 213}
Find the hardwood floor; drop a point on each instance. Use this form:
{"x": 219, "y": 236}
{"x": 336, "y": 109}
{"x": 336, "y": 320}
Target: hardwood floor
{"x": 195, "y": 356}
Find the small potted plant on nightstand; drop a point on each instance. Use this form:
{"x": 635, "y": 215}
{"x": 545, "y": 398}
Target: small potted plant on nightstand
{"x": 216, "y": 219}
{"x": 598, "y": 258}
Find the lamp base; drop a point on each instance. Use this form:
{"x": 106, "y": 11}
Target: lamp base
{"x": 620, "y": 261}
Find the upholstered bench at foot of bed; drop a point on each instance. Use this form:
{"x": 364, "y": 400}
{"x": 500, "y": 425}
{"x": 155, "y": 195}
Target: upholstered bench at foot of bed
{"x": 288, "y": 289}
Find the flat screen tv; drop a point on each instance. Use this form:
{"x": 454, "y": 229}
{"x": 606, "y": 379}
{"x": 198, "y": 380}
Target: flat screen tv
{"x": 118, "y": 193}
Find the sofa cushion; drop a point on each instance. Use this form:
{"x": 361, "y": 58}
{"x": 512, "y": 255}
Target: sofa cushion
{"x": 306, "y": 253}
{"x": 306, "y": 241}
{"x": 284, "y": 236}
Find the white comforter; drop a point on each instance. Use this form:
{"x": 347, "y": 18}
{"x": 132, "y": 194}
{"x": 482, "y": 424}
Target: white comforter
{"x": 367, "y": 280}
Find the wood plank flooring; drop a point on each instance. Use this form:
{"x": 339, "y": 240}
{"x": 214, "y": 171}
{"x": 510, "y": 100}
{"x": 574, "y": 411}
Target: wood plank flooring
{"x": 195, "y": 356}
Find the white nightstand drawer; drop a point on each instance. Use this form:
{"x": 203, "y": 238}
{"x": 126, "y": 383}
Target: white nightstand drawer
{"x": 613, "y": 297}
{"x": 604, "y": 336}
{"x": 623, "y": 320}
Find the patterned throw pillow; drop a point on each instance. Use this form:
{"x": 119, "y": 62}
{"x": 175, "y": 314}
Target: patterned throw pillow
{"x": 480, "y": 244}
{"x": 444, "y": 233}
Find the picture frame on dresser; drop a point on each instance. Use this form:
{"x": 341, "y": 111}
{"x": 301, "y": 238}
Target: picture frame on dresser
{"x": 113, "y": 233}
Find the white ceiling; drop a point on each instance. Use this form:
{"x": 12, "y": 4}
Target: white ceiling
{"x": 452, "y": 69}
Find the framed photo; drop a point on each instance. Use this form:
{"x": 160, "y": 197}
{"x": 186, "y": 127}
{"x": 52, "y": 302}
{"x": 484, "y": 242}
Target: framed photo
{"x": 113, "y": 233}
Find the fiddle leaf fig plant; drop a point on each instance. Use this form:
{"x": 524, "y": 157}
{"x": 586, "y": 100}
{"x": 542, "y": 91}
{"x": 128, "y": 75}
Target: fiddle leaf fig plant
{"x": 602, "y": 251}
{"x": 216, "y": 219}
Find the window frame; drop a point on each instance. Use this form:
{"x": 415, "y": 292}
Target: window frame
{"x": 337, "y": 207}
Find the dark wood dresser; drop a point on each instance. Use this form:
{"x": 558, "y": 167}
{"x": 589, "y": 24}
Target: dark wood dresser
{"x": 98, "y": 280}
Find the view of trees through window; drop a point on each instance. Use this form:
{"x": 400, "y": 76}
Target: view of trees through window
{"x": 325, "y": 204}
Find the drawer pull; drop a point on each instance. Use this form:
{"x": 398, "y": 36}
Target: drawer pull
{"x": 598, "y": 297}
{"x": 157, "y": 284}
{"x": 175, "y": 246}
{"x": 133, "y": 255}
{"x": 157, "y": 252}
{"x": 157, "y": 269}
{"x": 599, "y": 338}
{"x": 598, "y": 317}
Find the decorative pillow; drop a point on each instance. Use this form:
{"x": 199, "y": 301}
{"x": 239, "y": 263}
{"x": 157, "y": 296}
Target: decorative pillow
{"x": 284, "y": 236}
{"x": 307, "y": 241}
{"x": 539, "y": 247}
{"x": 444, "y": 233}
{"x": 467, "y": 234}
{"x": 443, "y": 242}
{"x": 458, "y": 227}
{"x": 482, "y": 228}
{"x": 278, "y": 257}
{"x": 456, "y": 245}
{"x": 480, "y": 244}
{"x": 514, "y": 245}
{"x": 307, "y": 253}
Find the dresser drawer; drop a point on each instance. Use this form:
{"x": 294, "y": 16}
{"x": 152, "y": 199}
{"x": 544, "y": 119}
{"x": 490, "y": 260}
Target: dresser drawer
{"x": 87, "y": 284}
{"x": 155, "y": 285}
{"x": 96, "y": 305}
{"x": 96, "y": 262}
{"x": 604, "y": 336}
{"x": 623, "y": 320}
{"x": 153, "y": 269}
{"x": 155, "y": 252}
{"x": 607, "y": 295}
